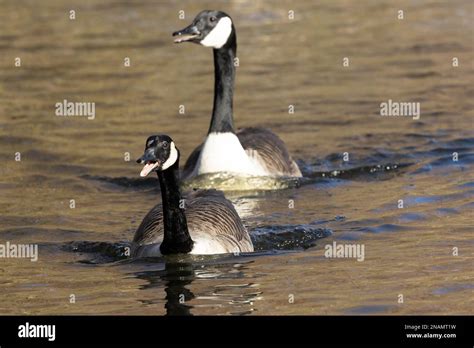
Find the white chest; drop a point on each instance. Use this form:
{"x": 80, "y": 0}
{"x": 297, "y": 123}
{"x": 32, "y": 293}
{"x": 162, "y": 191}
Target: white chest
{"x": 222, "y": 152}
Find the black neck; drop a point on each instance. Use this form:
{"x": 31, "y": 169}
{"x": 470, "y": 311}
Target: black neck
{"x": 224, "y": 73}
{"x": 176, "y": 235}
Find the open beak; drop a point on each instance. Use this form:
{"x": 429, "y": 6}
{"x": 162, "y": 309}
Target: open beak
{"x": 187, "y": 34}
{"x": 150, "y": 164}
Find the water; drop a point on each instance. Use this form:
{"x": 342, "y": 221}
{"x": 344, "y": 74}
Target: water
{"x": 408, "y": 251}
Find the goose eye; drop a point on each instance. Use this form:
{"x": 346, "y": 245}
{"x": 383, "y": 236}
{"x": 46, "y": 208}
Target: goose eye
{"x": 213, "y": 19}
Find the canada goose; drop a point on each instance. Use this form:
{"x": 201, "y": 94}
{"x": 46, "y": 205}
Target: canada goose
{"x": 203, "y": 223}
{"x": 249, "y": 151}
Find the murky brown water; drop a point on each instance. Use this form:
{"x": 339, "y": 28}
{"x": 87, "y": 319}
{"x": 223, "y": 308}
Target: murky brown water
{"x": 408, "y": 251}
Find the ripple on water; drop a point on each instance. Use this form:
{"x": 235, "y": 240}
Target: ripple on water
{"x": 350, "y": 236}
{"x": 469, "y": 184}
{"x": 446, "y": 211}
{"x": 287, "y": 237}
{"x": 39, "y": 233}
{"x": 98, "y": 252}
{"x": 370, "y": 309}
{"x": 444, "y": 162}
{"x": 410, "y": 217}
{"x": 452, "y": 288}
{"x": 384, "y": 228}
{"x": 120, "y": 183}
{"x": 266, "y": 240}
{"x": 230, "y": 182}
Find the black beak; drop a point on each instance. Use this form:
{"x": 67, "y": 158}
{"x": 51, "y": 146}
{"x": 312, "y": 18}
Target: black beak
{"x": 149, "y": 162}
{"x": 148, "y": 156}
{"x": 187, "y": 34}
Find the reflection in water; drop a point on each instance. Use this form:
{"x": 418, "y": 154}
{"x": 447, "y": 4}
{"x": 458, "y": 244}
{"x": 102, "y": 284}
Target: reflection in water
{"x": 176, "y": 279}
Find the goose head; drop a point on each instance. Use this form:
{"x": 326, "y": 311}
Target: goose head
{"x": 210, "y": 28}
{"x": 160, "y": 154}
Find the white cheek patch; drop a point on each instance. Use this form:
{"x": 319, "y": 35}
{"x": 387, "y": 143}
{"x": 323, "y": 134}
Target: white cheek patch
{"x": 172, "y": 159}
{"x": 219, "y": 35}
